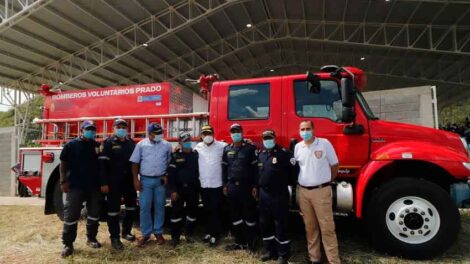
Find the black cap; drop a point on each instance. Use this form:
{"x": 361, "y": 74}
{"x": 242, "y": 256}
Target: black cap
{"x": 184, "y": 136}
{"x": 120, "y": 121}
{"x": 155, "y": 128}
{"x": 236, "y": 127}
{"x": 87, "y": 124}
{"x": 207, "y": 129}
{"x": 268, "y": 134}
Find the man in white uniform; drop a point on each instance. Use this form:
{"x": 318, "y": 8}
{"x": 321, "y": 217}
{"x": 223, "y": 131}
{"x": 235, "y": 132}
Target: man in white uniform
{"x": 318, "y": 167}
{"x": 210, "y": 175}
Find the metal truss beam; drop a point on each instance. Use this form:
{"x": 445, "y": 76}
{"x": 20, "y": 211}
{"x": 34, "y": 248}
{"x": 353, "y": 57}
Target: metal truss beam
{"x": 13, "y": 11}
{"x": 262, "y": 34}
{"x": 122, "y": 43}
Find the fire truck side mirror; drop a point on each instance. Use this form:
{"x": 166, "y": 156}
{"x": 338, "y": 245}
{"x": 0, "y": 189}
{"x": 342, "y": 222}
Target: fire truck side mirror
{"x": 348, "y": 99}
{"x": 313, "y": 83}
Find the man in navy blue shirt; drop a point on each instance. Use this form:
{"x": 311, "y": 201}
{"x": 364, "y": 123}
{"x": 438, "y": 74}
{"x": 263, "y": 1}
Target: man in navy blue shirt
{"x": 150, "y": 159}
{"x": 79, "y": 180}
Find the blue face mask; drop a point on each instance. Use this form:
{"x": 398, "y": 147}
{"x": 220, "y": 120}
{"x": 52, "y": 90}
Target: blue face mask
{"x": 306, "y": 135}
{"x": 187, "y": 145}
{"x": 236, "y": 137}
{"x": 120, "y": 132}
{"x": 89, "y": 134}
{"x": 269, "y": 143}
{"x": 159, "y": 137}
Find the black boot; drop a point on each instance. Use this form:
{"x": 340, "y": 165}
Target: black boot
{"x": 93, "y": 243}
{"x": 282, "y": 260}
{"x": 67, "y": 251}
{"x": 117, "y": 244}
{"x": 129, "y": 237}
{"x": 268, "y": 256}
{"x": 174, "y": 242}
{"x": 235, "y": 246}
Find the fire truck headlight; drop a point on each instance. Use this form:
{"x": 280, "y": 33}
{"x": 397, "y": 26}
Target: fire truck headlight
{"x": 466, "y": 165}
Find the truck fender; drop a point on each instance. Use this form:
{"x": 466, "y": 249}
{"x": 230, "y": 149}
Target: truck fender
{"x": 49, "y": 206}
{"x": 366, "y": 174}
{"x": 416, "y": 150}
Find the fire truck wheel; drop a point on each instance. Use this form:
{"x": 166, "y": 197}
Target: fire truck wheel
{"x": 23, "y": 190}
{"x": 412, "y": 218}
{"x": 58, "y": 201}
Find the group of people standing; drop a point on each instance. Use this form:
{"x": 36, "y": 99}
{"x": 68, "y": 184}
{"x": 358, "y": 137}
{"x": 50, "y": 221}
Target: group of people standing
{"x": 212, "y": 170}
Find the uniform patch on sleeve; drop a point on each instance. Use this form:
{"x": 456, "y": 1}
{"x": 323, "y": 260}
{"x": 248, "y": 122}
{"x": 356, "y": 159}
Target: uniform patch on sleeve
{"x": 292, "y": 161}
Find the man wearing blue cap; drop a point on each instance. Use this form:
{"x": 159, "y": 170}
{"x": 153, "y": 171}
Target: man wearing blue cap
{"x": 117, "y": 182}
{"x": 79, "y": 180}
{"x": 150, "y": 159}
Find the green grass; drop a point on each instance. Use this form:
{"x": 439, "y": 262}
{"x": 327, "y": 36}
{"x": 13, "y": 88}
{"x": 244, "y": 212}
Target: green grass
{"x": 29, "y": 236}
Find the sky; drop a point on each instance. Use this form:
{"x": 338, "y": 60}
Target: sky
{"x": 4, "y": 108}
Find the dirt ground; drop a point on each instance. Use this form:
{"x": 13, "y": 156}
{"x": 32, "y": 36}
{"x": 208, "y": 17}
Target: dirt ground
{"x": 29, "y": 236}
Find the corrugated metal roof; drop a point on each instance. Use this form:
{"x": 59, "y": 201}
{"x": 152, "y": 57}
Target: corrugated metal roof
{"x": 95, "y": 43}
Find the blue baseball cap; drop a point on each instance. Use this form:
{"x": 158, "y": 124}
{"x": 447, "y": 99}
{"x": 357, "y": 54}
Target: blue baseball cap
{"x": 155, "y": 128}
{"x": 88, "y": 123}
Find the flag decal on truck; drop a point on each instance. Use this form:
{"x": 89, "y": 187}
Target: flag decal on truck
{"x": 149, "y": 98}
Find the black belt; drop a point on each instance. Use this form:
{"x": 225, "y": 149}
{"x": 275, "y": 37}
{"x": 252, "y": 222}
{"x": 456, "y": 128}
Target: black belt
{"x": 316, "y": 187}
{"x": 238, "y": 183}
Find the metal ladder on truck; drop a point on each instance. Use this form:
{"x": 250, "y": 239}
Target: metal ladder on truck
{"x": 56, "y": 132}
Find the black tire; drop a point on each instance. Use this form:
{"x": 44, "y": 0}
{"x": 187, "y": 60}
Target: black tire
{"x": 440, "y": 238}
{"x": 58, "y": 202}
{"x": 23, "y": 190}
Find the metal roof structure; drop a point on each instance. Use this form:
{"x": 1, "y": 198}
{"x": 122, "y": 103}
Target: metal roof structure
{"x": 79, "y": 44}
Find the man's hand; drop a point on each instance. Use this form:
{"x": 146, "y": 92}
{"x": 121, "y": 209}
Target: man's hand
{"x": 254, "y": 192}
{"x": 174, "y": 196}
{"x": 165, "y": 180}
{"x": 225, "y": 190}
{"x": 65, "y": 187}
{"x": 104, "y": 189}
{"x": 137, "y": 185}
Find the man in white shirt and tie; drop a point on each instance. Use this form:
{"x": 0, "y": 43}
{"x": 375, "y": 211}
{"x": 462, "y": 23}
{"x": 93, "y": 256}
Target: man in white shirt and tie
{"x": 210, "y": 153}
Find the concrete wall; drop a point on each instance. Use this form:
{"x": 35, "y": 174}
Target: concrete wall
{"x": 412, "y": 105}
{"x": 7, "y": 179}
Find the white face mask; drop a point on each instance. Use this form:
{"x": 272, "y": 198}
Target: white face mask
{"x": 208, "y": 139}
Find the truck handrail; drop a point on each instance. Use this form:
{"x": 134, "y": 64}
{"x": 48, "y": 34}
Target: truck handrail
{"x": 171, "y": 123}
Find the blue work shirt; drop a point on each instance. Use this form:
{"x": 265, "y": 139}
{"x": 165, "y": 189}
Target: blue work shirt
{"x": 153, "y": 157}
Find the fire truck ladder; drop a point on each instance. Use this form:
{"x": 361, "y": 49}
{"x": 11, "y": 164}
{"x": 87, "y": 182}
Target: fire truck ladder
{"x": 59, "y": 131}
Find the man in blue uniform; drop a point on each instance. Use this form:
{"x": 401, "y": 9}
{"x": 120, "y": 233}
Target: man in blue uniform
{"x": 183, "y": 185}
{"x": 117, "y": 182}
{"x": 276, "y": 169}
{"x": 150, "y": 159}
{"x": 239, "y": 170}
{"x": 79, "y": 180}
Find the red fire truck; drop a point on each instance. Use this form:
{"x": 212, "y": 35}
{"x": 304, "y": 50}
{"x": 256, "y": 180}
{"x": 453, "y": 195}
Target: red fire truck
{"x": 406, "y": 181}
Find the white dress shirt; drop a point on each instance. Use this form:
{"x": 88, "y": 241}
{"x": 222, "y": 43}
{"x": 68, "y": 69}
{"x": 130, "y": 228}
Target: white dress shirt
{"x": 210, "y": 163}
{"x": 315, "y": 161}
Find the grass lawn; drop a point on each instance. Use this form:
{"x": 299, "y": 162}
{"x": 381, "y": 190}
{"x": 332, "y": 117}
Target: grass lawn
{"x": 29, "y": 236}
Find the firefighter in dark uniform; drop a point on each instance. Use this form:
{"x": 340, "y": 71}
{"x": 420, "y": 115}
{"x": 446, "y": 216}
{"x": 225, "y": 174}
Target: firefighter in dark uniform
{"x": 117, "y": 182}
{"x": 183, "y": 185}
{"x": 239, "y": 171}
{"x": 79, "y": 181}
{"x": 276, "y": 170}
